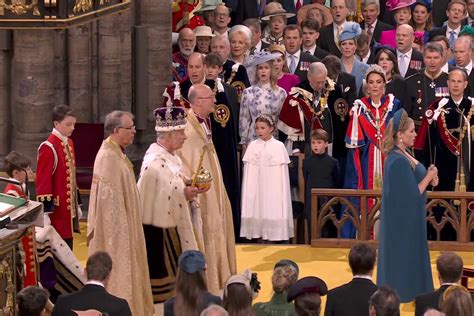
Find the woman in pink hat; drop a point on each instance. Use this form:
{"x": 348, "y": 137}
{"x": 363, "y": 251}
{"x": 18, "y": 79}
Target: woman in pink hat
{"x": 402, "y": 14}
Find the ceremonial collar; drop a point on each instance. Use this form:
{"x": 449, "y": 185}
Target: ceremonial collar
{"x": 435, "y": 77}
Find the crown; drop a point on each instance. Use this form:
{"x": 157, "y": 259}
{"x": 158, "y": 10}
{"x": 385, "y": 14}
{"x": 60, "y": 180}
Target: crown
{"x": 170, "y": 119}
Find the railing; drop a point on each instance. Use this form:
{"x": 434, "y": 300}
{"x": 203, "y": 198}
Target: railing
{"x": 457, "y": 209}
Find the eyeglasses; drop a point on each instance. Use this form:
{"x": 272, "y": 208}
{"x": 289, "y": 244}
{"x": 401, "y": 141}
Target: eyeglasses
{"x": 221, "y": 15}
{"x": 209, "y": 97}
{"x": 128, "y": 128}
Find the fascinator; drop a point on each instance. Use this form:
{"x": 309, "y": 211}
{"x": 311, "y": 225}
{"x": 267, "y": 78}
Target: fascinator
{"x": 192, "y": 261}
{"x": 393, "y": 5}
{"x": 377, "y": 47}
{"x": 398, "y": 117}
{"x": 467, "y": 30}
{"x": 275, "y": 48}
{"x": 261, "y": 57}
{"x": 351, "y": 30}
{"x": 309, "y": 284}
{"x": 425, "y": 3}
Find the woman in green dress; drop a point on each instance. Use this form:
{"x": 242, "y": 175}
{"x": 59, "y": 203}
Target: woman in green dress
{"x": 404, "y": 260}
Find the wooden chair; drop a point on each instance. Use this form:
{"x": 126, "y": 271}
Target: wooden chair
{"x": 466, "y": 275}
{"x": 87, "y": 138}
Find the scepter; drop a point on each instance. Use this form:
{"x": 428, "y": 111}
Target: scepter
{"x": 201, "y": 158}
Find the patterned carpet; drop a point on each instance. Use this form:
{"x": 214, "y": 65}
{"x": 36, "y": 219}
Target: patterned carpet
{"x": 330, "y": 264}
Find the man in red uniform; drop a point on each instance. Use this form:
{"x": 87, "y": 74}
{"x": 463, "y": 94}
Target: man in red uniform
{"x": 56, "y": 184}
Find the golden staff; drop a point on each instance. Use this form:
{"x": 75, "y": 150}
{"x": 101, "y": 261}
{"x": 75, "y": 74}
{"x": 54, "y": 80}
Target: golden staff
{"x": 201, "y": 158}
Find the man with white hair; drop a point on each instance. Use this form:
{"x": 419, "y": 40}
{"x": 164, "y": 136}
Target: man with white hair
{"x": 214, "y": 310}
{"x": 166, "y": 203}
{"x": 187, "y": 43}
{"x": 233, "y": 73}
{"x": 410, "y": 61}
{"x": 463, "y": 57}
{"x": 320, "y": 101}
{"x": 221, "y": 20}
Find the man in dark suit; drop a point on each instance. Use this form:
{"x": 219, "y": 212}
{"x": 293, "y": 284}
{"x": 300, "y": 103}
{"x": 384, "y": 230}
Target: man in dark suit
{"x": 353, "y": 298}
{"x": 256, "y": 44}
{"x": 455, "y": 12}
{"x": 298, "y": 62}
{"x": 449, "y": 266}
{"x": 463, "y": 58}
{"x": 364, "y": 51}
{"x": 329, "y": 38}
{"x": 93, "y": 296}
{"x": 410, "y": 61}
{"x": 374, "y": 27}
{"x": 310, "y": 30}
{"x": 292, "y": 6}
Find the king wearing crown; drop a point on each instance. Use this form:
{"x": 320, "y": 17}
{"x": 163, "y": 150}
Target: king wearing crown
{"x": 167, "y": 214}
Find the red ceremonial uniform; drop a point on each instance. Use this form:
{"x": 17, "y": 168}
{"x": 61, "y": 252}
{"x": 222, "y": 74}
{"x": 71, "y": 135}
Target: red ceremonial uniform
{"x": 56, "y": 183}
{"x": 184, "y": 14}
{"x": 28, "y": 242}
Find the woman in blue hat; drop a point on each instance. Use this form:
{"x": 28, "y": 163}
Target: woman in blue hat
{"x": 348, "y": 45}
{"x": 403, "y": 258}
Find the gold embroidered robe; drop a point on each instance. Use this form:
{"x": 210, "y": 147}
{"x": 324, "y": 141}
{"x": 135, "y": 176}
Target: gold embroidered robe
{"x": 114, "y": 225}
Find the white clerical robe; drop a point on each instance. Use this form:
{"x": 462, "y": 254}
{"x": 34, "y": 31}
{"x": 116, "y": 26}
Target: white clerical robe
{"x": 216, "y": 211}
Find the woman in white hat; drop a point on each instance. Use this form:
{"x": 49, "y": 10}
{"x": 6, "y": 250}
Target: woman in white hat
{"x": 203, "y": 39}
{"x": 278, "y": 17}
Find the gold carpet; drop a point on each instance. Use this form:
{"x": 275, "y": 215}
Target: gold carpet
{"x": 328, "y": 264}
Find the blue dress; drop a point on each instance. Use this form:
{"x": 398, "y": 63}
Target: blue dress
{"x": 403, "y": 259}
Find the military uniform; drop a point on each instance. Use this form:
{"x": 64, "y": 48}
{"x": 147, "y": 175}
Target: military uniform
{"x": 423, "y": 90}
{"x": 56, "y": 185}
{"x": 438, "y": 140}
{"x": 180, "y": 64}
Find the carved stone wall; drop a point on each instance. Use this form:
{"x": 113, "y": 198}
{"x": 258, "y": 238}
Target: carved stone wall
{"x": 91, "y": 68}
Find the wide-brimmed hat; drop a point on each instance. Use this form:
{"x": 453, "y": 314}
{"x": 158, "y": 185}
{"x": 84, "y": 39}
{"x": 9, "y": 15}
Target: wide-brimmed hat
{"x": 275, "y": 9}
{"x": 207, "y": 5}
{"x": 351, "y": 30}
{"x": 393, "y": 5}
{"x": 301, "y": 16}
{"x": 203, "y": 30}
{"x": 261, "y": 57}
{"x": 170, "y": 119}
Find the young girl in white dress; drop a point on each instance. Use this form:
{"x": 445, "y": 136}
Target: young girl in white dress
{"x": 266, "y": 199}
